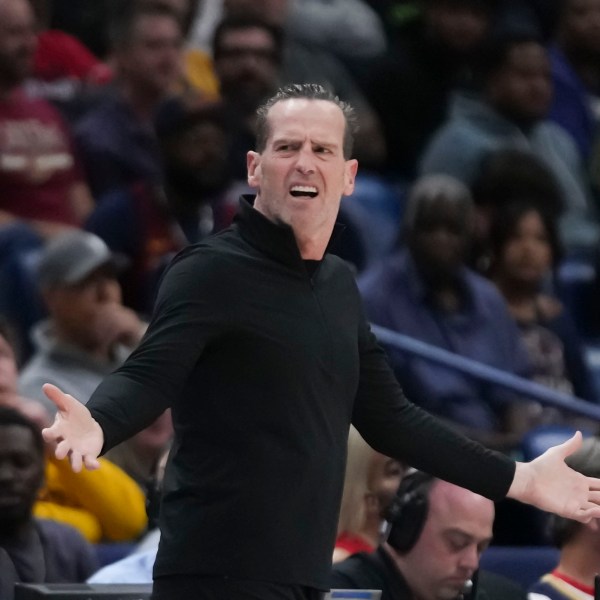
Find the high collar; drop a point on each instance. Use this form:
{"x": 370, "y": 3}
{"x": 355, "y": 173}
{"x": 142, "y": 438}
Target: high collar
{"x": 276, "y": 240}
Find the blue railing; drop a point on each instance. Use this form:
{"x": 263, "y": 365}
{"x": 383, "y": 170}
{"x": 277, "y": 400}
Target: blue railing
{"x": 522, "y": 387}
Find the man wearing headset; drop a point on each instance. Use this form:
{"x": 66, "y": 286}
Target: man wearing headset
{"x": 435, "y": 537}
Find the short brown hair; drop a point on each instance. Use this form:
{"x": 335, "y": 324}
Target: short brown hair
{"x": 308, "y": 91}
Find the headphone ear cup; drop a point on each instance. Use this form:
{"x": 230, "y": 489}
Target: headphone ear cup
{"x": 408, "y": 521}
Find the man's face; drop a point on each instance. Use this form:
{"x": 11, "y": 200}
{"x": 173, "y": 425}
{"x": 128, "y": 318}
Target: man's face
{"x": 17, "y": 41}
{"x": 247, "y": 66}
{"x": 457, "y": 530}
{"x": 21, "y": 473}
{"x": 152, "y": 59}
{"x": 76, "y": 309}
{"x": 439, "y": 236}
{"x": 526, "y": 257}
{"x": 301, "y": 175}
{"x": 580, "y": 28}
{"x": 523, "y": 88}
{"x": 198, "y": 155}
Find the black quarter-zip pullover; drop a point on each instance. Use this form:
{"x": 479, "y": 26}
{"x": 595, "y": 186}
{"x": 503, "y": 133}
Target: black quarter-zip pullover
{"x": 265, "y": 365}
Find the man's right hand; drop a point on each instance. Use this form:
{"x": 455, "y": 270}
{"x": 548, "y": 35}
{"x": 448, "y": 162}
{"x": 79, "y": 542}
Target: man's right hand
{"x": 76, "y": 434}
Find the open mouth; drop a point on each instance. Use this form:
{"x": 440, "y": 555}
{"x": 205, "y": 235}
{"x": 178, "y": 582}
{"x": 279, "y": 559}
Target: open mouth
{"x": 304, "y": 191}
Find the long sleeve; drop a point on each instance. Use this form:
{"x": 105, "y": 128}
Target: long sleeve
{"x": 396, "y": 427}
{"x": 185, "y": 319}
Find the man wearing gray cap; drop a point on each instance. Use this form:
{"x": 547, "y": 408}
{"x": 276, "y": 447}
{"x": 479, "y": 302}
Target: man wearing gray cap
{"x": 89, "y": 332}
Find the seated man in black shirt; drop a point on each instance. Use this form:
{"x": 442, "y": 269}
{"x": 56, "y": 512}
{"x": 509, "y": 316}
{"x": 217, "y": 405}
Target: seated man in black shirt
{"x": 32, "y": 550}
{"x": 437, "y": 532}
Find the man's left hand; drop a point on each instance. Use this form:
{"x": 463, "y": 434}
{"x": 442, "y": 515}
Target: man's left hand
{"x": 548, "y": 483}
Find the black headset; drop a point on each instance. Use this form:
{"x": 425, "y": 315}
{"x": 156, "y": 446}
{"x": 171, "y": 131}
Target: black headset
{"x": 407, "y": 512}
{"x": 406, "y": 518}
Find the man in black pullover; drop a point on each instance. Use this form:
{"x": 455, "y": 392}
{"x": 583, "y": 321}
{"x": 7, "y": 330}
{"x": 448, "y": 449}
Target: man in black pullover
{"x": 259, "y": 345}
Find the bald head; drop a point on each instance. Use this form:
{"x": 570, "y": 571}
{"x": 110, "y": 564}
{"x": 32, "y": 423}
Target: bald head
{"x": 17, "y": 42}
{"x": 457, "y": 529}
{"x": 453, "y": 504}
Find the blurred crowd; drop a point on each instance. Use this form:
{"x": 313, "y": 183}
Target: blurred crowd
{"x": 474, "y": 226}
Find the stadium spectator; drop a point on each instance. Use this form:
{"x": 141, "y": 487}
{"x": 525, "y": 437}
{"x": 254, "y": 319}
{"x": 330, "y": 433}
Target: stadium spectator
{"x": 425, "y": 291}
{"x": 308, "y": 63}
{"x": 39, "y": 179}
{"x": 516, "y": 91}
{"x": 526, "y": 249}
{"x": 150, "y": 223}
{"x": 575, "y": 60}
{"x": 88, "y": 334}
{"x": 430, "y": 54}
{"x": 370, "y": 482}
{"x": 198, "y": 76}
{"x": 505, "y": 176}
{"x": 247, "y": 56}
{"x": 116, "y": 137}
{"x": 63, "y": 67}
{"x": 436, "y": 535}
{"x": 349, "y": 29}
{"x": 32, "y": 550}
{"x": 103, "y": 506}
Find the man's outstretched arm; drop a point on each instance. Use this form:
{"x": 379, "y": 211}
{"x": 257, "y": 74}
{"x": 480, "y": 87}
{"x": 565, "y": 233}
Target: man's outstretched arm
{"x": 74, "y": 431}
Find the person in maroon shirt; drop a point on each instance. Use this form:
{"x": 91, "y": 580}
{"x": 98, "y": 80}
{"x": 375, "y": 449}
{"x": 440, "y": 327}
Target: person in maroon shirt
{"x": 40, "y": 180}
{"x": 42, "y": 190}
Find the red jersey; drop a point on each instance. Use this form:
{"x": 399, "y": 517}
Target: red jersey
{"x": 37, "y": 160}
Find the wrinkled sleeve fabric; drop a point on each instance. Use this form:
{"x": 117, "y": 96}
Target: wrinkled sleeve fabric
{"x": 188, "y": 315}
